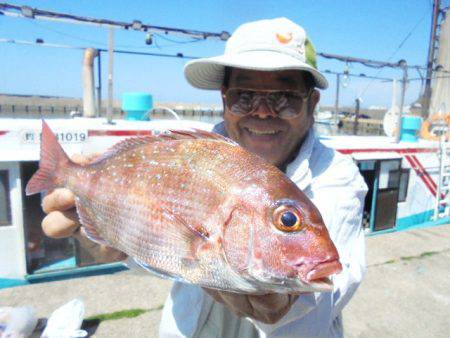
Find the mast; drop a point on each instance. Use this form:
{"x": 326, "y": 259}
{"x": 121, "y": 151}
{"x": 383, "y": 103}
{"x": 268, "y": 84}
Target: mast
{"x": 433, "y": 46}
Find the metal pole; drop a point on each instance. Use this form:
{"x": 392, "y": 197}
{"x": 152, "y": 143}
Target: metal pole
{"x": 402, "y": 102}
{"x": 109, "y": 113}
{"x": 442, "y": 157}
{"x": 39, "y": 14}
{"x": 431, "y": 51}
{"x": 336, "y": 104}
{"x": 355, "y": 124}
{"x": 99, "y": 86}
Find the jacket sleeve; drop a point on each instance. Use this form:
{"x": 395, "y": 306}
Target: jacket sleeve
{"x": 347, "y": 234}
{"x": 339, "y": 196}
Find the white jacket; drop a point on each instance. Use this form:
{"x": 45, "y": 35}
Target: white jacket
{"x": 333, "y": 183}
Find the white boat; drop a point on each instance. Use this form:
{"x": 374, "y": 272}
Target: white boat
{"x": 404, "y": 182}
{"x": 324, "y": 117}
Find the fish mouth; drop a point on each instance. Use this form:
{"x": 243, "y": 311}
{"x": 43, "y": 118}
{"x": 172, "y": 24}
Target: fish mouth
{"x": 322, "y": 284}
{"x": 323, "y": 270}
{"x": 317, "y": 275}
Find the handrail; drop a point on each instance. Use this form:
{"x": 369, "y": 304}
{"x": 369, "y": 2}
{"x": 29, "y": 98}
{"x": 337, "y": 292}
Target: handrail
{"x": 171, "y": 111}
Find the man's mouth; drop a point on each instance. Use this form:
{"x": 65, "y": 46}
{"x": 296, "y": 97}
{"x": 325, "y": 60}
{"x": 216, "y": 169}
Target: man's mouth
{"x": 261, "y": 132}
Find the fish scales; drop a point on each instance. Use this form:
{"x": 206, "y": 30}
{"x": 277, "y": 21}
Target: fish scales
{"x": 166, "y": 187}
{"x": 196, "y": 207}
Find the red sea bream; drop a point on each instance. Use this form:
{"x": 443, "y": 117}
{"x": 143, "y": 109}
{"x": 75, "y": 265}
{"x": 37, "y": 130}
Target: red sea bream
{"x": 196, "y": 207}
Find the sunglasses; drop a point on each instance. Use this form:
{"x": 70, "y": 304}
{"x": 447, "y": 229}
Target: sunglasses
{"x": 286, "y": 104}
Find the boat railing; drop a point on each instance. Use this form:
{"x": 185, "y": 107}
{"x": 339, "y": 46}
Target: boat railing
{"x": 442, "y": 203}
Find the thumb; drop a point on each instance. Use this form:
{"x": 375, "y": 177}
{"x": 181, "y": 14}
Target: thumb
{"x": 85, "y": 159}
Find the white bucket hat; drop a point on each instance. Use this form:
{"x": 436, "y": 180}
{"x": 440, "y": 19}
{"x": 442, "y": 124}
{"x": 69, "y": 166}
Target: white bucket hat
{"x": 267, "y": 45}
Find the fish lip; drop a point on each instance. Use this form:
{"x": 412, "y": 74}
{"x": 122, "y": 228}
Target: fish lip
{"x": 313, "y": 271}
{"x": 323, "y": 270}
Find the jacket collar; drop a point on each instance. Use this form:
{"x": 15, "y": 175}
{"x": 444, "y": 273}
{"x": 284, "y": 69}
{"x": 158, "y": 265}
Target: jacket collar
{"x": 298, "y": 170}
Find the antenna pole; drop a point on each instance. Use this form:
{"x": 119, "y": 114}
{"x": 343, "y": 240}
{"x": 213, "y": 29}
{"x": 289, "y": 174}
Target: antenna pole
{"x": 402, "y": 100}
{"x": 430, "y": 63}
{"x": 336, "y": 103}
{"x": 109, "y": 113}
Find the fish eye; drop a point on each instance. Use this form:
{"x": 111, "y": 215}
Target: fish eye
{"x": 287, "y": 218}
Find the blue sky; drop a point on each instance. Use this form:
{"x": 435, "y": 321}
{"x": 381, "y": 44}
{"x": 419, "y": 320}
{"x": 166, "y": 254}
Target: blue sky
{"x": 366, "y": 29}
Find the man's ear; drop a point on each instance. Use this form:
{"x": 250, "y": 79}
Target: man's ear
{"x": 313, "y": 101}
{"x": 223, "y": 90}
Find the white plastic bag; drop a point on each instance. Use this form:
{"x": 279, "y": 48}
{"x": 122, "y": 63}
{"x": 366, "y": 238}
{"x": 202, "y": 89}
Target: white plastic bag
{"x": 17, "y": 322}
{"x": 65, "y": 321}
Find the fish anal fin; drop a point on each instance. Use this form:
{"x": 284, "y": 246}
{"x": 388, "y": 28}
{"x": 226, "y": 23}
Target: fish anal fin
{"x": 88, "y": 228}
{"x": 158, "y": 272}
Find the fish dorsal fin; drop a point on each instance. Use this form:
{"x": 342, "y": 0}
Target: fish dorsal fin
{"x": 198, "y": 134}
{"x": 165, "y": 136}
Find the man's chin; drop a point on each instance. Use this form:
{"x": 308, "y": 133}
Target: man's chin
{"x": 269, "y": 157}
{"x": 267, "y": 149}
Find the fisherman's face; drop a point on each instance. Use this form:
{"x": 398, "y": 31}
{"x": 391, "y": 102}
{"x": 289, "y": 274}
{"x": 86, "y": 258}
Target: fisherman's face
{"x": 262, "y": 130}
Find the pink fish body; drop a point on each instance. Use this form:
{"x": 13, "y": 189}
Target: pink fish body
{"x": 196, "y": 207}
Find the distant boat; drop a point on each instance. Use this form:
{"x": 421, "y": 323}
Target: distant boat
{"x": 325, "y": 117}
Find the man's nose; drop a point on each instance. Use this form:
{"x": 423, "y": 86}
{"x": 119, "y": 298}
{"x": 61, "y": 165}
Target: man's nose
{"x": 263, "y": 110}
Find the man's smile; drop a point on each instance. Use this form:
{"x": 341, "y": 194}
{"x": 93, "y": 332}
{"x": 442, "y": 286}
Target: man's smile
{"x": 261, "y": 132}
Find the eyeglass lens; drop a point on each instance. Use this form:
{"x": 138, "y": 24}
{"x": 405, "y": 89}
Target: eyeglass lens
{"x": 286, "y": 104}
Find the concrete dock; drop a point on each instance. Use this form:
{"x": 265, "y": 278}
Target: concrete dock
{"x": 406, "y": 293}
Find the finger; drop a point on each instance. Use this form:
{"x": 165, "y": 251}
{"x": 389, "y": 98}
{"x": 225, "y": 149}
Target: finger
{"x": 85, "y": 159}
{"x": 112, "y": 255}
{"x": 238, "y": 303}
{"x": 94, "y": 156}
{"x": 101, "y": 253}
{"x": 214, "y": 294}
{"x": 270, "y": 301}
{"x": 271, "y": 308}
{"x": 59, "y": 224}
{"x": 80, "y": 159}
{"x": 59, "y": 200}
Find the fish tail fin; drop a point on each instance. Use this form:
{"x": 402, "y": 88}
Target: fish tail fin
{"x": 53, "y": 158}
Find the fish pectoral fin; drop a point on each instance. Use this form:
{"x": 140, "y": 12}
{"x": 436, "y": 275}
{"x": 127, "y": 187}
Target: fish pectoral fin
{"x": 87, "y": 228}
{"x": 192, "y": 232}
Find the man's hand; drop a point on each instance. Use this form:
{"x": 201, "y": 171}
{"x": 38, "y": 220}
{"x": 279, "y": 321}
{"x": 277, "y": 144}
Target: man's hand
{"x": 268, "y": 309}
{"x": 62, "y": 221}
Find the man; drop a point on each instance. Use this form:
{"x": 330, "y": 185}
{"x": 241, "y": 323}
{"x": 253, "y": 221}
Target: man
{"x": 267, "y": 78}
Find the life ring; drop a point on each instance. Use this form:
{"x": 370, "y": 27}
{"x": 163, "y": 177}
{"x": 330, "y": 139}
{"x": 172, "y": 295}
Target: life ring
{"x": 429, "y": 125}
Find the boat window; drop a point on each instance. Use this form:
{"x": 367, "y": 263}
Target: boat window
{"x": 403, "y": 189}
{"x": 394, "y": 179}
{"x": 389, "y": 174}
{"x": 5, "y": 205}
{"x": 367, "y": 165}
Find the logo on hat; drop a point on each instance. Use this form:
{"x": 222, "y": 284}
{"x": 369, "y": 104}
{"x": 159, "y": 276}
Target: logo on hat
{"x": 284, "y": 38}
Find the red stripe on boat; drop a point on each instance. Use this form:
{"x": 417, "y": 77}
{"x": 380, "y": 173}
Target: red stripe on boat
{"x": 396, "y": 150}
{"x": 420, "y": 174}
{"x": 119, "y": 132}
{"x": 433, "y": 183}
